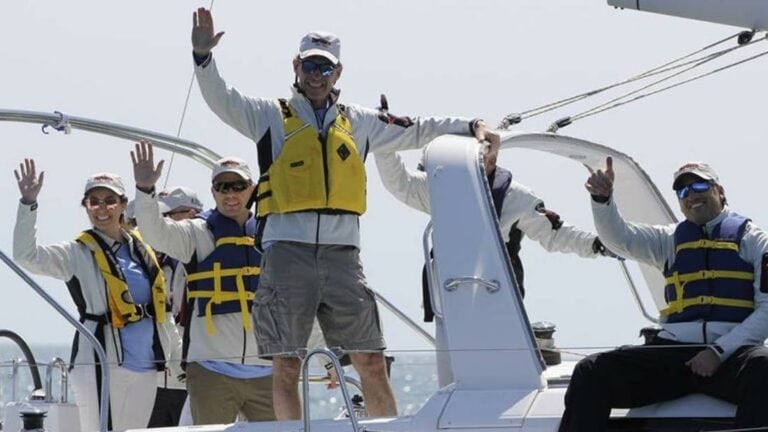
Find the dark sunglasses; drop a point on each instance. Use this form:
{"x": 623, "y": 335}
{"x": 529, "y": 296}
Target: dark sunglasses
{"x": 325, "y": 69}
{"x": 698, "y": 187}
{"x": 110, "y": 201}
{"x": 231, "y": 186}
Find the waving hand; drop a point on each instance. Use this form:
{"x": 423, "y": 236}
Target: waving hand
{"x": 204, "y": 38}
{"x": 145, "y": 173}
{"x": 28, "y": 181}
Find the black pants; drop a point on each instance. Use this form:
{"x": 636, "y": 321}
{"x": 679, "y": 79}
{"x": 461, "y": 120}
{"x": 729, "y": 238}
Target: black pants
{"x": 634, "y": 376}
{"x": 168, "y": 405}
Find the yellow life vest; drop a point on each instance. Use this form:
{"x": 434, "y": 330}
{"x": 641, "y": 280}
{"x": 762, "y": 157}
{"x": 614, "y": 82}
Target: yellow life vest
{"x": 121, "y": 306}
{"x": 312, "y": 173}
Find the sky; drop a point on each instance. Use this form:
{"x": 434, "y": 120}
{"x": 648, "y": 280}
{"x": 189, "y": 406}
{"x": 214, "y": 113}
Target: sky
{"x": 132, "y": 65}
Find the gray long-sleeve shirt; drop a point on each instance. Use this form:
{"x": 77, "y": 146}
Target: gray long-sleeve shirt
{"x": 655, "y": 246}
{"x": 255, "y": 117}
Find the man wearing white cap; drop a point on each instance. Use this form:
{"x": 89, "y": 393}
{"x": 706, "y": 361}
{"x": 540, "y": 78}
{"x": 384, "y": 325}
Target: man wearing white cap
{"x": 716, "y": 319}
{"x": 224, "y": 373}
{"x": 312, "y": 189}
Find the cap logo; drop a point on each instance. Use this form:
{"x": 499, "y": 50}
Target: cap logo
{"x": 230, "y": 163}
{"x": 321, "y": 41}
{"x": 103, "y": 177}
{"x": 689, "y": 165}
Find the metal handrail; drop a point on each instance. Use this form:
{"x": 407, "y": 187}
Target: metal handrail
{"x": 342, "y": 385}
{"x": 191, "y": 149}
{"x": 63, "y": 381}
{"x": 490, "y": 285}
{"x": 104, "y": 396}
{"x": 635, "y": 293}
{"x": 405, "y": 318}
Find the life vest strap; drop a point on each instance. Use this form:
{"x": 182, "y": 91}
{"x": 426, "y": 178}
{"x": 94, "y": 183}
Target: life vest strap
{"x": 682, "y": 279}
{"x": 708, "y": 244}
{"x": 679, "y": 305}
{"x": 237, "y": 241}
{"x": 218, "y": 296}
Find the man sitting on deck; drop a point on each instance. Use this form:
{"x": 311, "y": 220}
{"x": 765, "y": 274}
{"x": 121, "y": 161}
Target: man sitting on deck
{"x": 717, "y": 316}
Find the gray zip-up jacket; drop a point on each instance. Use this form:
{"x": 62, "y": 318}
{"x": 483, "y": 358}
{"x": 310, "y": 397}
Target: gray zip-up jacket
{"x": 655, "y": 245}
{"x": 372, "y": 132}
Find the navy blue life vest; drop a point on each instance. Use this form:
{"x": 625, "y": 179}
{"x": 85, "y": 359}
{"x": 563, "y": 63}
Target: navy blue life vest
{"x": 226, "y": 280}
{"x": 709, "y": 280}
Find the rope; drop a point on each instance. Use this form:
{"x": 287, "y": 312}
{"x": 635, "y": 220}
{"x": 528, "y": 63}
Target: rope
{"x": 181, "y": 121}
{"x": 515, "y": 118}
{"x": 610, "y": 104}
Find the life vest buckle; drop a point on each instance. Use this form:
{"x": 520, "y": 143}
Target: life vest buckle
{"x": 144, "y": 311}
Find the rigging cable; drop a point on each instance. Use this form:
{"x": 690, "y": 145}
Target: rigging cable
{"x": 743, "y": 37}
{"x": 181, "y": 121}
{"x": 617, "y": 102}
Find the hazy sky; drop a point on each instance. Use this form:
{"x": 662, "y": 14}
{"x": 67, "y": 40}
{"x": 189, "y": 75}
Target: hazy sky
{"x": 132, "y": 65}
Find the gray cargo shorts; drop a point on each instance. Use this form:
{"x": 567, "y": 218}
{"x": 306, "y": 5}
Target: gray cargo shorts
{"x": 300, "y": 281}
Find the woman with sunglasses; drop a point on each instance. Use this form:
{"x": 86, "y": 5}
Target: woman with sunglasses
{"x": 115, "y": 282}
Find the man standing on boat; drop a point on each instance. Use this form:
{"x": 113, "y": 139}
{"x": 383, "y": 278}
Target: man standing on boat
{"x": 224, "y": 374}
{"x": 716, "y": 321}
{"x": 311, "y": 152}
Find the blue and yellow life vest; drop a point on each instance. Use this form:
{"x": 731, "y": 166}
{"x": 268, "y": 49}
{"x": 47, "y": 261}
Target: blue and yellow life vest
{"x": 226, "y": 280}
{"x": 313, "y": 172}
{"x": 122, "y": 309}
{"x": 709, "y": 280}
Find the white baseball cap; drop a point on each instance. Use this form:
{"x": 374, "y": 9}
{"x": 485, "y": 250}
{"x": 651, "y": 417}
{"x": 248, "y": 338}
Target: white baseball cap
{"x": 698, "y": 169}
{"x": 110, "y": 181}
{"x": 320, "y": 43}
{"x": 234, "y": 165}
{"x": 178, "y": 197}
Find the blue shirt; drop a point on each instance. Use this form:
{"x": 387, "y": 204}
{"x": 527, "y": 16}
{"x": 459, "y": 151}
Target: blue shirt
{"x": 237, "y": 370}
{"x": 136, "y": 338}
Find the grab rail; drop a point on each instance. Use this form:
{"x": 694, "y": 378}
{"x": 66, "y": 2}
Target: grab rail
{"x": 342, "y": 385}
{"x": 63, "y": 381}
{"x": 191, "y": 149}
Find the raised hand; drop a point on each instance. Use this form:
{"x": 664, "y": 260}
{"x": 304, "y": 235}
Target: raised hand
{"x": 144, "y": 171}
{"x": 203, "y": 36}
{"x": 600, "y": 182}
{"x": 482, "y": 133}
{"x": 28, "y": 181}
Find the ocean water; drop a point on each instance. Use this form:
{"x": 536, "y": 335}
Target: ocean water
{"x": 413, "y": 376}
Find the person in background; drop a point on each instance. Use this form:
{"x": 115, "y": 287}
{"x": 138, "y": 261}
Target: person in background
{"x": 521, "y": 214}
{"x": 178, "y": 203}
{"x": 116, "y": 283}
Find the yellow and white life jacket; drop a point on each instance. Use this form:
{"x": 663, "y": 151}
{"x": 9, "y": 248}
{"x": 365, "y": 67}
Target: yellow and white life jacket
{"x": 312, "y": 172}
